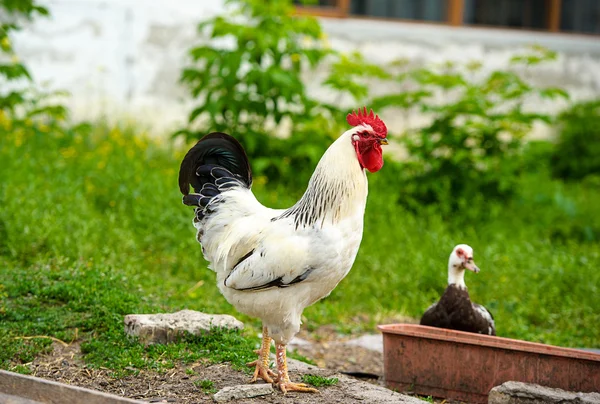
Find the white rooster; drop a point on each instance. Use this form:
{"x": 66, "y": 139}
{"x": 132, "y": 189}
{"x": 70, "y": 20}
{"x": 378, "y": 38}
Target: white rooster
{"x": 273, "y": 263}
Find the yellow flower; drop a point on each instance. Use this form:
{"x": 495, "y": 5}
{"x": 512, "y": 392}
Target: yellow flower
{"x": 68, "y": 152}
{"x": 5, "y": 122}
{"x": 105, "y": 149}
{"x": 19, "y": 136}
{"x": 43, "y": 128}
{"x": 295, "y": 57}
{"x": 261, "y": 180}
{"x": 14, "y": 59}
{"x": 5, "y": 43}
{"x": 101, "y": 164}
{"x": 307, "y": 41}
{"x": 140, "y": 141}
{"x": 112, "y": 204}
{"x": 115, "y": 133}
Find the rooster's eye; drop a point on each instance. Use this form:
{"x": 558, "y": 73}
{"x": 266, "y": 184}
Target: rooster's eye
{"x": 364, "y": 134}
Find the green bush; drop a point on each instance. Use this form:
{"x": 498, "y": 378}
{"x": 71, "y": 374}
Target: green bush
{"x": 471, "y": 147}
{"x": 254, "y": 87}
{"x": 23, "y": 106}
{"x": 14, "y": 12}
{"x": 577, "y": 153}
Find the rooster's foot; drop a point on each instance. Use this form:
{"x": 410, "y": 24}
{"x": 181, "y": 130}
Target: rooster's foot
{"x": 289, "y": 386}
{"x": 261, "y": 371}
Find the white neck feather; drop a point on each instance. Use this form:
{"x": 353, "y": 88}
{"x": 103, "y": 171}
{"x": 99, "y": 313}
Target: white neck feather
{"x": 337, "y": 188}
{"x": 456, "y": 274}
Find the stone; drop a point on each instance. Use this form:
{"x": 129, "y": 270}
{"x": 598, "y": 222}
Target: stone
{"x": 242, "y": 391}
{"x": 524, "y": 393}
{"x": 163, "y": 328}
{"x": 354, "y": 389}
{"x": 297, "y": 343}
{"x": 372, "y": 342}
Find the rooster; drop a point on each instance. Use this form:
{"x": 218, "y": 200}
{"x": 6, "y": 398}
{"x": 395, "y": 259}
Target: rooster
{"x": 273, "y": 263}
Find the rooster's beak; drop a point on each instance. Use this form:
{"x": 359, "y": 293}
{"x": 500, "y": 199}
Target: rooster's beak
{"x": 383, "y": 141}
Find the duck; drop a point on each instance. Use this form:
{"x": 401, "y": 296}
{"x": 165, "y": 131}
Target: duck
{"x": 455, "y": 310}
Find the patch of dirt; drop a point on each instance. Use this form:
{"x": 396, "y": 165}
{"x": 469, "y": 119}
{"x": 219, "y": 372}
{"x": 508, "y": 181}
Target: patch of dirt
{"x": 65, "y": 365}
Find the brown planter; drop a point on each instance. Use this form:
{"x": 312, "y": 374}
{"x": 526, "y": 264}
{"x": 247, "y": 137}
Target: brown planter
{"x": 465, "y": 366}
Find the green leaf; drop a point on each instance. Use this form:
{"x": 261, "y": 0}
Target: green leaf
{"x": 203, "y": 52}
{"x": 554, "y": 92}
{"x": 195, "y": 113}
{"x": 14, "y": 71}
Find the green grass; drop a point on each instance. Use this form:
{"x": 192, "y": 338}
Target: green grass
{"x": 88, "y": 301}
{"x": 92, "y": 228}
{"x": 319, "y": 381}
{"x": 207, "y": 386}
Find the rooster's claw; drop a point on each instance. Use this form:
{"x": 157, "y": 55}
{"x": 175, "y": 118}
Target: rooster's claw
{"x": 289, "y": 386}
{"x": 261, "y": 371}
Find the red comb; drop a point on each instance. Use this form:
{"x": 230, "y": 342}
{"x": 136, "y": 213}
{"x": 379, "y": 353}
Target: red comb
{"x": 377, "y": 124}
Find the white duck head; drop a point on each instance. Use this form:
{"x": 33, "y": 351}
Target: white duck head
{"x": 460, "y": 259}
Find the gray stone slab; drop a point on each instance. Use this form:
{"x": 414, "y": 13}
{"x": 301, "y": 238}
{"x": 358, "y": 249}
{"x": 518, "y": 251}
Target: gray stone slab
{"x": 355, "y": 389}
{"x": 242, "y": 391}
{"x": 524, "y": 393}
{"x": 162, "y": 328}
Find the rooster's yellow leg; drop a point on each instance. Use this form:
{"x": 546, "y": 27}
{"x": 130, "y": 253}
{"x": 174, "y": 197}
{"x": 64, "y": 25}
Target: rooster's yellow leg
{"x": 283, "y": 379}
{"x": 262, "y": 363}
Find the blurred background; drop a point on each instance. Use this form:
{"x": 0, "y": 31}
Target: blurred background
{"x": 119, "y": 59}
{"x": 493, "y": 109}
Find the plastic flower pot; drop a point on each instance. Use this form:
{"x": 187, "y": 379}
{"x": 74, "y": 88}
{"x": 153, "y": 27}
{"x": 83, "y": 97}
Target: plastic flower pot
{"x": 466, "y": 366}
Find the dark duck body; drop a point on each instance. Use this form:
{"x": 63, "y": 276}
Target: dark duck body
{"x": 455, "y": 310}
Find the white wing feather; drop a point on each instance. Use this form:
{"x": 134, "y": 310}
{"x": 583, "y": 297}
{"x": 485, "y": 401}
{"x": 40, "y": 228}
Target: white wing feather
{"x": 278, "y": 257}
{"x": 279, "y": 251}
{"x": 486, "y": 315}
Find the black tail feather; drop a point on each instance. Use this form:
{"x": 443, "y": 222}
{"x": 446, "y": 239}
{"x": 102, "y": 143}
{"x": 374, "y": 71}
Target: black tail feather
{"x": 216, "y": 163}
{"x": 215, "y": 156}
{"x": 209, "y": 190}
{"x": 192, "y": 199}
{"x": 227, "y": 185}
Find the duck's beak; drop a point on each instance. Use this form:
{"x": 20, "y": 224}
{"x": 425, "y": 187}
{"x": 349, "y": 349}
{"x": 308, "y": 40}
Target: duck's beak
{"x": 470, "y": 265}
{"x": 383, "y": 141}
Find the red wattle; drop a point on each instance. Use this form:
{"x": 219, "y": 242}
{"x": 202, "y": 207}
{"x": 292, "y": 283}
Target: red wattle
{"x": 372, "y": 158}
{"x": 369, "y": 156}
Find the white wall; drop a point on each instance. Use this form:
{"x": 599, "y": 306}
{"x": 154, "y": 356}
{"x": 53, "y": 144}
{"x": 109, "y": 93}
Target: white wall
{"x": 122, "y": 58}
{"x": 118, "y": 58}
{"x": 577, "y": 68}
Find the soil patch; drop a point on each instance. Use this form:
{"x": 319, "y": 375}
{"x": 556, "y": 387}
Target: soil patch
{"x": 64, "y": 365}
